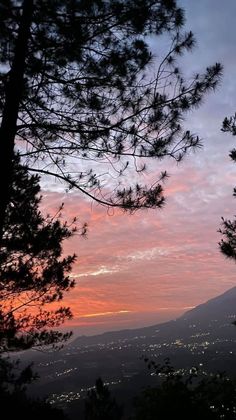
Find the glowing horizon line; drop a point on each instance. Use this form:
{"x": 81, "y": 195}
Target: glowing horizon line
{"x": 169, "y": 308}
{"x": 104, "y": 314}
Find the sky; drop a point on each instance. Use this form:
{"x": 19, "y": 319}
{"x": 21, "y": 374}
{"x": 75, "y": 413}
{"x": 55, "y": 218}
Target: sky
{"x": 146, "y": 268}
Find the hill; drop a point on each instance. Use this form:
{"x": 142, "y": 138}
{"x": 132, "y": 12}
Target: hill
{"x": 204, "y": 337}
{"x": 214, "y": 314}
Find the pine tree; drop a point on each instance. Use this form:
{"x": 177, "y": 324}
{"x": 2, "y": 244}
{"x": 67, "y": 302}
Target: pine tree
{"x": 83, "y": 99}
{"x": 33, "y": 272}
{"x": 228, "y": 230}
{"x": 100, "y": 405}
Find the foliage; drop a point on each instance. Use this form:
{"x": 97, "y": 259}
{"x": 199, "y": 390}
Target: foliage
{"x": 229, "y": 125}
{"x": 99, "y": 404}
{"x": 191, "y": 397}
{"x": 228, "y": 230}
{"x": 33, "y": 272}
{"x": 91, "y": 101}
{"x": 13, "y": 380}
{"x": 14, "y": 401}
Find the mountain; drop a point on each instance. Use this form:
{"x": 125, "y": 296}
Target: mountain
{"x": 222, "y": 307}
{"x": 204, "y": 337}
{"x": 214, "y": 314}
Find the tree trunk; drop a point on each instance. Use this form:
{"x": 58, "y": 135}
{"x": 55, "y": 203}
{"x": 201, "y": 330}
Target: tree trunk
{"x": 14, "y": 92}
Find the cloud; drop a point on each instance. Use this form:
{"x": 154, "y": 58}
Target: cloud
{"x": 157, "y": 264}
{"x": 157, "y": 259}
{"x": 100, "y": 271}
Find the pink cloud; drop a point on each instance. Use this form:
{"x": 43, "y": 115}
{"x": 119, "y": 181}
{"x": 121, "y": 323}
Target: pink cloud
{"x": 169, "y": 258}
{"x": 156, "y": 259}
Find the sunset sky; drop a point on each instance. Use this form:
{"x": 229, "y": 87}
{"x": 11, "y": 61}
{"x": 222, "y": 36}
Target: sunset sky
{"x": 141, "y": 269}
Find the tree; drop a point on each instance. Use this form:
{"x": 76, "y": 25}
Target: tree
{"x": 33, "y": 272}
{"x": 99, "y": 404}
{"x": 14, "y": 400}
{"x": 82, "y": 100}
{"x": 228, "y": 230}
{"x": 186, "y": 397}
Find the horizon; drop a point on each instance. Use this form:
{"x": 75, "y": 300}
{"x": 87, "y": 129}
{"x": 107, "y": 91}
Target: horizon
{"x": 93, "y": 330}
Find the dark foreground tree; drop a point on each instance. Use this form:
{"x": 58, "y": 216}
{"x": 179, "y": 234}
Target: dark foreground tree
{"x": 14, "y": 400}
{"x": 33, "y": 272}
{"x": 84, "y": 98}
{"x": 191, "y": 397}
{"x": 100, "y": 405}
{"x": 228, "y": 243}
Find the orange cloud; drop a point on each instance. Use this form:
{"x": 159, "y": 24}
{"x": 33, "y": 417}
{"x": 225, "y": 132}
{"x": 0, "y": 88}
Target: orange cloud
{"x": 152, "y": 265}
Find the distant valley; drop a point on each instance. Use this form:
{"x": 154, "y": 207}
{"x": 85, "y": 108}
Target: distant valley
{"x": 204, "y": 337}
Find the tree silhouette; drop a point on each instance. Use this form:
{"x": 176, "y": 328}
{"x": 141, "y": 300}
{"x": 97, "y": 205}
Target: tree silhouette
{"x": 228, "y": 230}
{"x": 14, "y": 400}
{"x": 99, "y": 404}
{"x": 82, "y": 100}
{"x": 33, "y": 272}
{"x": 186, "y": 397}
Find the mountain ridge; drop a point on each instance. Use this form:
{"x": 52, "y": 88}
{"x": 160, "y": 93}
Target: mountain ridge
{"x": 220, "y": 307}
{"x": 203, "y": 337}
